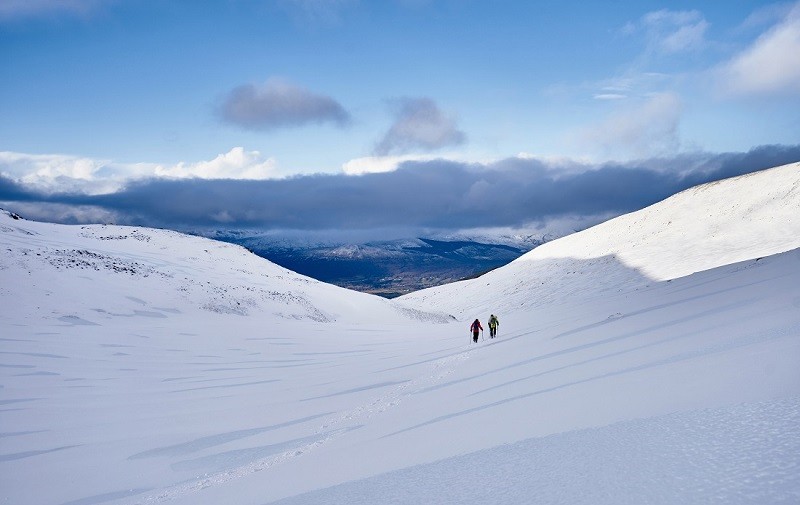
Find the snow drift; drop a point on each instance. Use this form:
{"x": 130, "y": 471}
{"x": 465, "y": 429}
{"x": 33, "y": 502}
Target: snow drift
{"x": 652, "y": 359}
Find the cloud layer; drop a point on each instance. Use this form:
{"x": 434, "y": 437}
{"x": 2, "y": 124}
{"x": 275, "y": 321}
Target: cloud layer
{"x": 54, "y": 173}
{"x": 278, "y": 104}
{"x": 434, "y": 194}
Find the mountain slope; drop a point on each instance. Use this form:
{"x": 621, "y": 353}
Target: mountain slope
{"x": 97, "y": 270}
{"x": 698, "y": 229}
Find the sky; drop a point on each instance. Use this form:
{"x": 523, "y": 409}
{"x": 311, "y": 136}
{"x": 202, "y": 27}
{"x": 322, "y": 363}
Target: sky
{"x": 420, "y": 114}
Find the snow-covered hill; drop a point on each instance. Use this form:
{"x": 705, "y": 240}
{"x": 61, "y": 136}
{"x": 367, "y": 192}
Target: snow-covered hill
{"x": 644, "y": 369}
{"x": 99, "y": 272}
{"x": 704, "y": 227}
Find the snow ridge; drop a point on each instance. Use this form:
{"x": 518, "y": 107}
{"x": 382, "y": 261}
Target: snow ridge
{"x": 705, "y": 227}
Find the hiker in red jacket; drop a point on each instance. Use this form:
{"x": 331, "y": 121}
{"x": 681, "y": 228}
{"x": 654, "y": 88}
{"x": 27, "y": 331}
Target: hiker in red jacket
{"x": 475, "y": 328}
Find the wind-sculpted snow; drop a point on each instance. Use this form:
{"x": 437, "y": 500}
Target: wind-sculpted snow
{"x": 146, "y": 367}
{"x": 704, "y": 456}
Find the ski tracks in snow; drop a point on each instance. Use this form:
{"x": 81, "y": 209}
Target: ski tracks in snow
{"x": 433, "y": 371}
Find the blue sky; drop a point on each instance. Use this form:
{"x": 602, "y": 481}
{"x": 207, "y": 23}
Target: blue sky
{"x": 100, "y": 95}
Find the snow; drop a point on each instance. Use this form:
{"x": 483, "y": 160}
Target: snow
{"x": 717, "y": 446}
{"x": 651, "y": 359}
{"x": 701, "y": 228}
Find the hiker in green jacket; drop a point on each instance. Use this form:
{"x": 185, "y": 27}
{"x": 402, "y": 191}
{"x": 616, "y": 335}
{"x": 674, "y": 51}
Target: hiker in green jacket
{"x": 493, "y": 323}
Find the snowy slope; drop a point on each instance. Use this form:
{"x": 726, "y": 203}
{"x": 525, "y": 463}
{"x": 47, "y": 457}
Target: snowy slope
{"x": 99, "y": 272}
{"x": 615, "y": 387}
{"x": 698, "y": 229}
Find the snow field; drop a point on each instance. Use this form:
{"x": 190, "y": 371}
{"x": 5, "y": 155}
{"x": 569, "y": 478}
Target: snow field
{"x": 144, "y": 366}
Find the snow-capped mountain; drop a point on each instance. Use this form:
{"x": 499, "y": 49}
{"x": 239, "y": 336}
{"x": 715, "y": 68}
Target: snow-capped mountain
{"x": 651, "y": 359}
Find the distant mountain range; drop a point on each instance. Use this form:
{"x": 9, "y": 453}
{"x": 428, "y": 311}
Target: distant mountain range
{"x": 387, "y": 268}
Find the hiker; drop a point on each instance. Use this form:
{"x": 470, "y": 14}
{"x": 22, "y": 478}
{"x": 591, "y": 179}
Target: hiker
{"x": 475, "y": 328}
{"x": 493, "y": 324}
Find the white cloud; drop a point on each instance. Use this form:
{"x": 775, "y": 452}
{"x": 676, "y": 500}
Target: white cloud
{"x": 633, "y": 84}
{"x": 56, "y": 172}
{"x": 63, "y": 173}
{"x": 771, "y": 65}
{"x": 671, "y": 32}
{"x": 609, "y": 96}
{"x": 372, "y": 165}
{"x": 685, "y": 38}
{"x": 235, "y": 164}
{"x": 379, "y": 164}
{"x": 650, "y": 128}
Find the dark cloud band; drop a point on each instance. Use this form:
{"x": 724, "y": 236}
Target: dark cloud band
{"x": 432, "y": 194}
